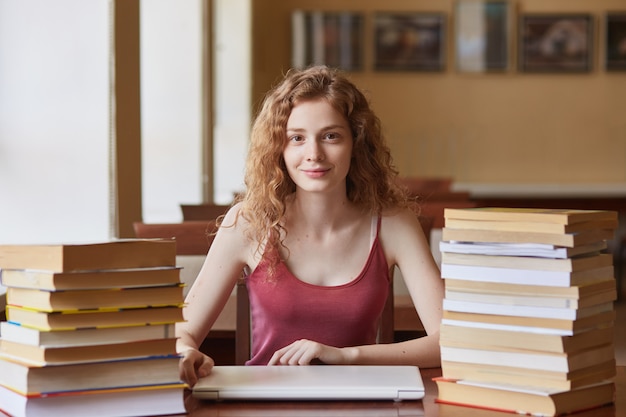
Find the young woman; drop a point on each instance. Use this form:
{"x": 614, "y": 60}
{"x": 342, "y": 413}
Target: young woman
{"x": 317, "y": 234}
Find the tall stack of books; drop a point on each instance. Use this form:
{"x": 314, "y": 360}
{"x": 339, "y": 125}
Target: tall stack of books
{"x": 528, "y": 309}
{"x": 90, "y": 329}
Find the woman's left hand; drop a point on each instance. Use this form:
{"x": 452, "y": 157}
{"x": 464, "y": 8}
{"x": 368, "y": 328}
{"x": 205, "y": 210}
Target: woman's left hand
{"x": 304, "y": 352}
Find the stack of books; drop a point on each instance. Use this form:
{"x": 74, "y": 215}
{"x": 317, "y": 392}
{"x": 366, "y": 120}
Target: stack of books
{"x": 528, "y": 310}
{"x": 90, "y": 329}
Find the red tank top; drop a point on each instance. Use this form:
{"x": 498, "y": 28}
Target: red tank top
{"x": 284, "y": 309}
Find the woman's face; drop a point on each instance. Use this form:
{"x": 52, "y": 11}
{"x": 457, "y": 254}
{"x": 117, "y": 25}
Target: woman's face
{"x": 318, "y": 147}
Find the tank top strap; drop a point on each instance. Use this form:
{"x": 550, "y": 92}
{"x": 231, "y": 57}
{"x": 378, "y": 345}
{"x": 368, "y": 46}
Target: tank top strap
{"x": 375, "y": 228}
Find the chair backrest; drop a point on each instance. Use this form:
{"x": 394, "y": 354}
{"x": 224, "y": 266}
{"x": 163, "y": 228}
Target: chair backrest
{"x": 417, "y": 186}
{"x": 203, "y": 211}
{"x": 433, "y": 209}
{"x": 192, "y": 237}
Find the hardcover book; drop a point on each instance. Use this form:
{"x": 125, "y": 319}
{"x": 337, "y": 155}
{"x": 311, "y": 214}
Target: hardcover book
{"x": 126, "y": 253}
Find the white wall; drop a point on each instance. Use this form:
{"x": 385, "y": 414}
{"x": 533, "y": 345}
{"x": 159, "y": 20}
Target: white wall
{"x": 54, "y": 120}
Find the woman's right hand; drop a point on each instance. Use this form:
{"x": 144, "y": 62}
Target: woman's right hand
{"x": 193, "y": 365}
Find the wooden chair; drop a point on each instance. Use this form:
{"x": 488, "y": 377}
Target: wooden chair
{"x": 425, "y": 185}
{"x": 192, "y": 237}
{"x": 203, "y": 211}
{"x": 432, "y": 195}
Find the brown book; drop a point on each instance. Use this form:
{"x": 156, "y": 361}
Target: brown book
{"x": 462, "y": 336}
{"x": 581, "y": 263}
{"x": 94, "y": 299}
{"x": 81, "y": 337}
{"x": 28, "y": 379}
{"x": 510, "y": 375}
{"x": 537, "y": 227}
{"x": 569, "y": 240}
{"x": 44, "y": 356}
{"x": 556, "y": 326}
{"x": 127, "y": 253}
{"x": 90, "y": 280}
{"x": 523, "y": 401}
{"x": 540, "y": 295}
{"x": 93, "y": 318}
{"x": 558, "y": 216}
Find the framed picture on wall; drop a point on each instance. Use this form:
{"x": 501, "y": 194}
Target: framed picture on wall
{"x": 615, "y": 52}
{"x": 409, "y": 41}
{"x": 334, "y": 39}
{"x": 482, "y": 35}
{"x": 556, "y": 43}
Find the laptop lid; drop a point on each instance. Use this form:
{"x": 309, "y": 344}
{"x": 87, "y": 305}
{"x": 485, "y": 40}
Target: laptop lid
{"x": 316, "y": 382}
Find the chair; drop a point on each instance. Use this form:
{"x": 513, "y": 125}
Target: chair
{"x": 203, "y": 211}
{"x": 425, "y": 185}
{"x": 192, "y": 237}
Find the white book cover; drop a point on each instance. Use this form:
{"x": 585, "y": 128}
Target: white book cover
{"x": 556, "y": 362}
{"x": 507, "y": 327}
{"x": 517, "y": 249}
{"x": 525, "y": 311}
{"x": 524, "y": 276}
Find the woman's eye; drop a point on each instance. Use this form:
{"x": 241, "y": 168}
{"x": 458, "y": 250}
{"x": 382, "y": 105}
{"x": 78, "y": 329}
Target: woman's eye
{"x": 331, "y": 136}
{"x": 296, "y": 138}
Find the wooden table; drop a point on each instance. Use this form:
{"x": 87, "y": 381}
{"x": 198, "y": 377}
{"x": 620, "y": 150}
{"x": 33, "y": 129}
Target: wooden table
{"x": 427, "y": 407}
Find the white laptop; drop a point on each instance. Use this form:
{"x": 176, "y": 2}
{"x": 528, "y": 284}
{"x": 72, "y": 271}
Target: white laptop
{"x": 315, "y": 382}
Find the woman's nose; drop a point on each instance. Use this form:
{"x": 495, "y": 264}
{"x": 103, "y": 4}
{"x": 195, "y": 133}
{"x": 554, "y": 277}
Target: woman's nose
{"x": 314, "y": 151}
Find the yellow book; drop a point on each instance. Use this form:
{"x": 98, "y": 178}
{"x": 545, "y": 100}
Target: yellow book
{"x": 94, "y": 299}
{"x": 69, "y": 320}
{"x": 541, "y": 215}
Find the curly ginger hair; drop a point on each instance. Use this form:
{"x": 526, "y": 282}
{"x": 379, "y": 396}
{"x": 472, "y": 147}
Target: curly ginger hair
{"x": 370, "y": 182}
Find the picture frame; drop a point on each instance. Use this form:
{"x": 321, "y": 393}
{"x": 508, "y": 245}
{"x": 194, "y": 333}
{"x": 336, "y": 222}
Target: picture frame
{"x": 615, "y": 41}
{"x": 334, "y": 39}
{"x": 560, "y": 43}
{"x": 409, "y": 41}
{"x": 483, "y": 35}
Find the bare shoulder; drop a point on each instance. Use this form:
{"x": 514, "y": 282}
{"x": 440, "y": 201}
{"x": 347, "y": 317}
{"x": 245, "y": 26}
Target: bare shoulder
{"x": 399, "y": 219}
{"x": 233, "y": 220}
{"x": 233, "y": 234}
{"x": 233, "y": 227}
{"x": 401, "y": 234}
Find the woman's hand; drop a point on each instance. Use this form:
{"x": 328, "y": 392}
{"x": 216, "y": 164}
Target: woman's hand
{"x": 193, "y": 365}
{"x": 305, "y": 352}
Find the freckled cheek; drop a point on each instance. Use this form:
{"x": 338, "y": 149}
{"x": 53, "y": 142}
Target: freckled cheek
{"x": 293, "y": 157}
